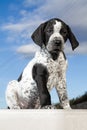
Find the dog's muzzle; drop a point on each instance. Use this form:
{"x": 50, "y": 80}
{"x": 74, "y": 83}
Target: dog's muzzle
{"x": 57, "y": 45}
{"x": 57, "y": 42}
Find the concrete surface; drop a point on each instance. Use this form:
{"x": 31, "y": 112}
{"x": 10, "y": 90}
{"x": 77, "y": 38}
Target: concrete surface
{"x": 43, "y": 120}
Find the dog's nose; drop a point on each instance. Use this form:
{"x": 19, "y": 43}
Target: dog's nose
{"x": 57, "y": 42}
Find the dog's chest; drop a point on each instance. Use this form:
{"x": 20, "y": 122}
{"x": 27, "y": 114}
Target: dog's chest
{"x": 54, "y": 69}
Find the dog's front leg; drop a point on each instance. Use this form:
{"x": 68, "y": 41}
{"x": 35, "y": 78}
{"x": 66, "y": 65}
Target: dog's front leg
{"x": 40, "y": 75}
{"x": 62, "y": 91}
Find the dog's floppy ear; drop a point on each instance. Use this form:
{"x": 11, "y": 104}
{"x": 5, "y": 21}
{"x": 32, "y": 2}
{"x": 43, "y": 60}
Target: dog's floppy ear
{"x": 72, "y": 39}
{"x": 38, "y": 35}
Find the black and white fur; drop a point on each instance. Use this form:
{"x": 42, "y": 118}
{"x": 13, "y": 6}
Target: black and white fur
{"x": 45, "y": 71}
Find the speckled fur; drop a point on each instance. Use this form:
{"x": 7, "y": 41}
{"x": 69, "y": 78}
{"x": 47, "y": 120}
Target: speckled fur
{"x": 24, "y": 94}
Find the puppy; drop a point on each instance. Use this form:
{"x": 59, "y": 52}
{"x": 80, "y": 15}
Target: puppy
{"x": 45, "y": 71}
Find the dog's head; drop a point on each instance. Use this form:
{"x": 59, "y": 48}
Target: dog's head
{"x": 53, "y": 34}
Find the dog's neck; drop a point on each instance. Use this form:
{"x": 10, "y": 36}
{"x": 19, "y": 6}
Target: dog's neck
{"x": 53, "y": 55}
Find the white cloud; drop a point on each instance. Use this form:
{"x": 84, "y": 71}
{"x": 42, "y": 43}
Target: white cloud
{"x": 20, "y": 31}
{"x": 81, "y": 49}
{"x": 73, "y": 12}
{"x": 18, "y": 27}
{"x": 27, "y": 49}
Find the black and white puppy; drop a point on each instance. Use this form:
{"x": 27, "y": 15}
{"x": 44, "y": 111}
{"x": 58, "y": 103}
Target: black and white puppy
{"x": 46, "y": 70}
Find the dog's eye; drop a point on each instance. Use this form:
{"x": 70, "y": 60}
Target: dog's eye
{"x": 50, "y": 30}
{"x": 64, "y": 32}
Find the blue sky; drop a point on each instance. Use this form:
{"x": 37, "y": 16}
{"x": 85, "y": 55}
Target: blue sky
{"x": 18, "y": 20}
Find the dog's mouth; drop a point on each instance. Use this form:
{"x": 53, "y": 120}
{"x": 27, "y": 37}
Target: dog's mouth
{"x": 56, "y": 49}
